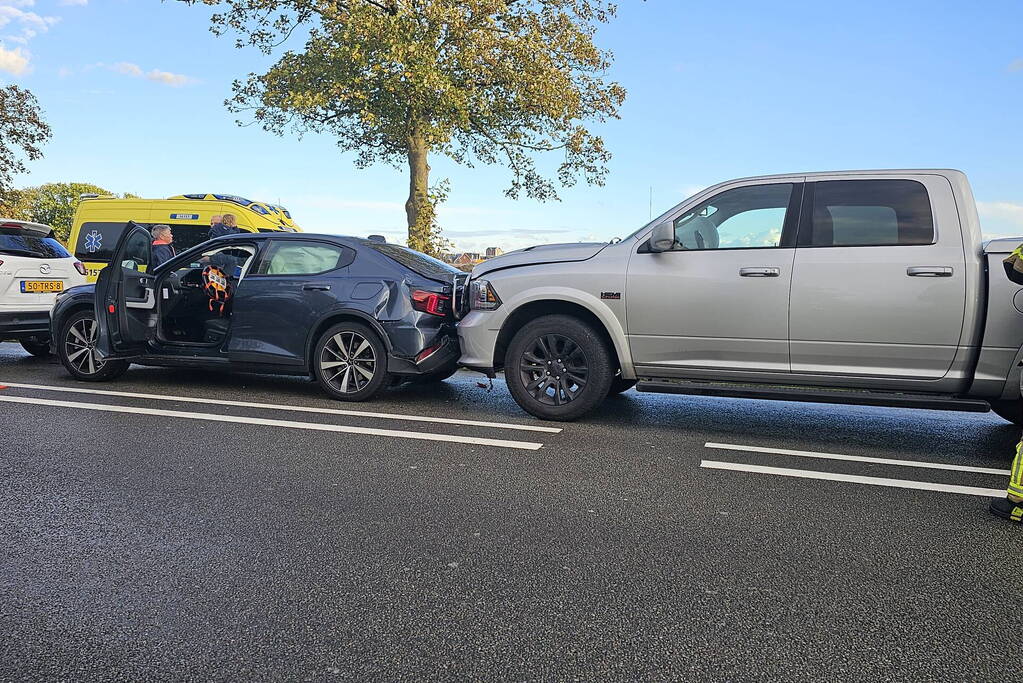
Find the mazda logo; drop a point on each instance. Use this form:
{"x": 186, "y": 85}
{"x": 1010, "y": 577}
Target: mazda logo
{"x": 45, "y": 269}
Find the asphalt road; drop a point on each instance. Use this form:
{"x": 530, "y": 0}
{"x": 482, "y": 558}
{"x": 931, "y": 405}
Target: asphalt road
{"x": 175, "y": 538}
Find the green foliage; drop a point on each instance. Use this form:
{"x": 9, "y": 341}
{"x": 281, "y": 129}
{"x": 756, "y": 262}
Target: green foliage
{"x": 21, "y": 128}
{"x": 479, "y": 81}
{"x": 431, "y": 239}
{"x": 52, "y": 204}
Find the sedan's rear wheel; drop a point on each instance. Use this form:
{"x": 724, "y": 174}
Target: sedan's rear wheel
{"x": 350, "y": 362}
{"x": 76, "y": 348}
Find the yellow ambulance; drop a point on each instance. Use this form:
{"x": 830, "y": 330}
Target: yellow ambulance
{"x": 99, "y": 221}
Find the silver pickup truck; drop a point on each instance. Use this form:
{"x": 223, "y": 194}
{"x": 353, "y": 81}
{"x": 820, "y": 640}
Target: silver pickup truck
{"x": 862, "y": 287}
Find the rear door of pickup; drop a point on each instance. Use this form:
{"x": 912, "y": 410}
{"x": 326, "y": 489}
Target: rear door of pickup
{"x": 879, "y": 278}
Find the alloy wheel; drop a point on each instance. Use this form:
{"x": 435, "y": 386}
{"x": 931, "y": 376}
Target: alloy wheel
{"x": 80, "y": 347}
{"x": 553, "y": 369}
{"x": 348, "y": 362}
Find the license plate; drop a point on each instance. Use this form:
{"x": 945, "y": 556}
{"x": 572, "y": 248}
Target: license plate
{"x": 41, "y": 286}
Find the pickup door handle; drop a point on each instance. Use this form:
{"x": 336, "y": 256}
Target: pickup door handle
{"x": 316, "y": 286}
{"x": 929, "y": 271}
{"x": 759, "y": 272}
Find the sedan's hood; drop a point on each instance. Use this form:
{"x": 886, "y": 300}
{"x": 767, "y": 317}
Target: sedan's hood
{"x": 544, "y": 253}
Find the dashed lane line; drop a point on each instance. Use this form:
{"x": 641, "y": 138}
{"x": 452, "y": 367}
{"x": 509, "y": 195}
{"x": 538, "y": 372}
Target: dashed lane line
{"x": 289, "y": 424}
{"x": 856, "y": 458}
{"x": 854, "y": 479}
{"x": 274, "y": 406}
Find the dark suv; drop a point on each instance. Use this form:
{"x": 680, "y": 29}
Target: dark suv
{"x": 355, "y": 314}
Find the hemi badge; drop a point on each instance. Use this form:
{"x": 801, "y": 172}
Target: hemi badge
{"x": 611, "y": 295}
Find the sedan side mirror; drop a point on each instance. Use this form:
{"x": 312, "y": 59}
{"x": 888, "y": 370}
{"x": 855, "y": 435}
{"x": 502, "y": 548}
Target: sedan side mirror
{"x": 663, "y": 237}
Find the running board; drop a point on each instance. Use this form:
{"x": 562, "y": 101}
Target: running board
{"x": 776, "y": 392}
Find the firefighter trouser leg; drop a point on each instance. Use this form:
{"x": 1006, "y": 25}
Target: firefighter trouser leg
{"x": 1016, "y": 480}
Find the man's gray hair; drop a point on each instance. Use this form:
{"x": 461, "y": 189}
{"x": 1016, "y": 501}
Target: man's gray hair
{"x": 157, "y": 229}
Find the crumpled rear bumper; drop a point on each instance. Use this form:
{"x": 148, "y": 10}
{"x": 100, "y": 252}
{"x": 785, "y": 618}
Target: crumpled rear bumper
{"x": 444, "y": 357}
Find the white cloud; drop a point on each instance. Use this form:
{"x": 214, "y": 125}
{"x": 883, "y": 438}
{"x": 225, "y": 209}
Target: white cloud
{"x": 22, "y": 26}
{"x": 14, "y": 61}
{"x": 1015, "y": 65}
{"x": 127, "y": 68}
{"x": 1001, "y": 219}
{"x": 165, "y": 77}
{"x": 73, "y": 3}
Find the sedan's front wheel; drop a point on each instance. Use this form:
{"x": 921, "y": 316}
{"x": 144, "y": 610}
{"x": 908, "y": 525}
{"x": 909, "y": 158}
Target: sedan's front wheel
{"x": 558, "y": 368}
{"x": 76, "y": 348}
{"x": 350, "y": 362}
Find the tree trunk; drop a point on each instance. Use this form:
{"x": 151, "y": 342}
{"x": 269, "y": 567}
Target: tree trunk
{"x": 418, "y": 208}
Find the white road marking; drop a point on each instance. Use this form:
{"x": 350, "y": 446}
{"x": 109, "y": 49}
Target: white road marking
{"x": 855, "y": 479}
{"x": 857, "y": 458}
{"x": 314, "y": 426}
{"x": 274, "y": 406}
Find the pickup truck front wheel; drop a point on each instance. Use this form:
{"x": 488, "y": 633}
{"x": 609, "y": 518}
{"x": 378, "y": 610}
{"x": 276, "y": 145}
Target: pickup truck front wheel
{"x": 558, "y": 368}
{"x": 1009, "y": 410}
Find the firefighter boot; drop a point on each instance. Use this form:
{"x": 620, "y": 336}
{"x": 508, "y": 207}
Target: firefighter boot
{"x": 1011, "y": 507}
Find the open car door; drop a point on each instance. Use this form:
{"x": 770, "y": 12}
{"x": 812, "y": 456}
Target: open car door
{"x": 125, "y": 299}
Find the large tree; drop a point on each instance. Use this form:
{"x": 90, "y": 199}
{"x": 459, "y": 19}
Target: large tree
{"x": 52, "y": 204}
{"x": 22, "y": 132}
{"x": 479, "y": 81}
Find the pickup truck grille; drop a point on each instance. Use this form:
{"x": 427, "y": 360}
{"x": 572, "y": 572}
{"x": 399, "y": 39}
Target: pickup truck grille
{"x": 459, "y": 297}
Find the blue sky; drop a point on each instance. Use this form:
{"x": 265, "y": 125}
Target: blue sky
{"x": 134, "y": 90}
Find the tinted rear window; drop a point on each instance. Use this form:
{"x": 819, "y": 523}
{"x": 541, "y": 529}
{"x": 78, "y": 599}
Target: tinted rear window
{"x": 859, "y": 213}
{"x": 417, "y": 262}
{"x": 16, "y": 243}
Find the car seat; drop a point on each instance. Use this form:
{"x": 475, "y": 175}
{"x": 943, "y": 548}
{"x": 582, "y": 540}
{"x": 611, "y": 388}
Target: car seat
{"x": 698, "y": 233}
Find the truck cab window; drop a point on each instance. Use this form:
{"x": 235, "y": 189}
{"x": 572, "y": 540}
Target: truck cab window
{"x": 743, "y": 218}
{"x": 860, "y": 213}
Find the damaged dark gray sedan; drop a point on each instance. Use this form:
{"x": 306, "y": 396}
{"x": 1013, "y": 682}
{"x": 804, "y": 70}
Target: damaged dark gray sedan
{"x": 357, "y": 315}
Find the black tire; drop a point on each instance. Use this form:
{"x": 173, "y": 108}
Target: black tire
{"x": 558, "y": 368}
{"x": 620, "y": 385}
{"x": 1009, "y": 410}
{"x": 38, "y": 349}
{"x": 350, "y": 362}
{"x": 435, "y": 377}
{"x": 77, "y": 352}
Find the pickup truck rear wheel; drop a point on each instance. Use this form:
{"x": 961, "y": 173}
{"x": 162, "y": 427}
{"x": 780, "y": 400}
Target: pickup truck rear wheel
{"x": 1009, "y": 410}
{"x": 558, "y": 368}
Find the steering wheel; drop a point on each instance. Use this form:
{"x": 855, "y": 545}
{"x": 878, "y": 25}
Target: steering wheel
{"x": 217, "y": 288}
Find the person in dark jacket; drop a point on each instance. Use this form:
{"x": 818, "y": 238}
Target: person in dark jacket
{"x": 163, "y": 247}
{"x": 227, "y": 226}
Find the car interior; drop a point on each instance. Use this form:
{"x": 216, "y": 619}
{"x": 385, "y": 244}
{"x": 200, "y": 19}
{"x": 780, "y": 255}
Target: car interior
{"x": 196, "y": 297}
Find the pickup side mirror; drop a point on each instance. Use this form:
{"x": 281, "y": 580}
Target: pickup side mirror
{"x": 663, "y": 237}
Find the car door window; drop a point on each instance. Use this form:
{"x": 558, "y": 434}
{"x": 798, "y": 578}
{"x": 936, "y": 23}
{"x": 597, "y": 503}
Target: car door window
{"x": 137, "y": 251}
{"x": 862, "y": 213}
{"x": 742, "y": 218}
{"x": 302, "y": 258}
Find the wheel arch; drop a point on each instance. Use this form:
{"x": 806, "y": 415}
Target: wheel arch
{"x": 548, "y": 306}
{"x": 336, "y": 317}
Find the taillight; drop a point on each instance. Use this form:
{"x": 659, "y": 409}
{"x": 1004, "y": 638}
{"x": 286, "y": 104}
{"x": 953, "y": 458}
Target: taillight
{"x": 431, "y": 302}
{"x": 111, "y": 308}
{"x": 427, "y": 352}
{"x": 78, "y": 266}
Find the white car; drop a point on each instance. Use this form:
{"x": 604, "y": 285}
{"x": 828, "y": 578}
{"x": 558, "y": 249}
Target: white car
{"x": 34, "y": 268}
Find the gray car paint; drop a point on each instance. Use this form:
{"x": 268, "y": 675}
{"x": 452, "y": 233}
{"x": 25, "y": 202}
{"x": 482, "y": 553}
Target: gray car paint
{"x": 854, "y": 318}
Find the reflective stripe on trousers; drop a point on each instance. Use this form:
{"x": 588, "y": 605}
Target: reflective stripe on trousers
{"x": 1016, "y": 479}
